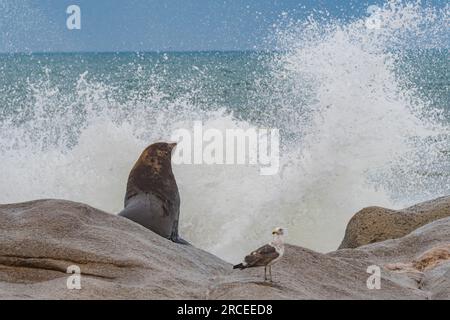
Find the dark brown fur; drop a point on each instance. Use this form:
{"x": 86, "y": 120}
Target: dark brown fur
{"x": 153, "y": 173}
{"x": 152, "y": 198}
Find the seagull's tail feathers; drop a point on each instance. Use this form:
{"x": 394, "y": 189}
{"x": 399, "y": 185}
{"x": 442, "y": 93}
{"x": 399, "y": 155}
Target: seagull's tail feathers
{"x": 239, "y": 266}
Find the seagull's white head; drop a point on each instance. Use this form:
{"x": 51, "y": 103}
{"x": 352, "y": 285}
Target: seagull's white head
{"x": 278, "y": 231}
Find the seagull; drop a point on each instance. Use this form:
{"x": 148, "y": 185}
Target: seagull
{"x": 265, "y": 256}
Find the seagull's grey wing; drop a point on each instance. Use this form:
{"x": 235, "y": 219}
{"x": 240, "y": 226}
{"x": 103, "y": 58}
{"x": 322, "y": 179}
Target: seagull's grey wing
{"x": 261, "y": 256}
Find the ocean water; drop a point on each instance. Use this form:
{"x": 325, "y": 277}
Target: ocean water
{"x": 364, "y": 117}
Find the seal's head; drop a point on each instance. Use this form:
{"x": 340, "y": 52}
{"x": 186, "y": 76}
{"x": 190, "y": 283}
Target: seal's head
{"x": 157, "y": 157}
{"x": 153, "y": 171}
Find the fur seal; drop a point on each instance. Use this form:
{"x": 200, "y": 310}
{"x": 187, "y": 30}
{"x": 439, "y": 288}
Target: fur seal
{"x": 152, "y": 197}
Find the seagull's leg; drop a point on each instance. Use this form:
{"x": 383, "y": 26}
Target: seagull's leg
{"x": 270, "y": 273}
{"x": 265, "y": 273}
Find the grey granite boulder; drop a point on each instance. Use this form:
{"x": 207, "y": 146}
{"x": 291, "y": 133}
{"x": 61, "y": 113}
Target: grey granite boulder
{"x": 374, "y": 224}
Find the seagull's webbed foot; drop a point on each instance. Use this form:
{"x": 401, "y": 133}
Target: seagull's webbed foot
{"x": 270, "y": 273}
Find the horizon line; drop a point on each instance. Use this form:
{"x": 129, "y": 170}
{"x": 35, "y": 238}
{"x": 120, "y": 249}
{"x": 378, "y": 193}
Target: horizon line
{"x": 170, "y": 51}
{"x": 143, "y": 51}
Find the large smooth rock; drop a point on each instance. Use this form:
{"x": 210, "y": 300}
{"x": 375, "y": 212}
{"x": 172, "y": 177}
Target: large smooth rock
{"x": 419, "y": 260}
{"x": 374, "y": 224}
{"x": 118, "y": 258}
{"x": 122, "y": 260}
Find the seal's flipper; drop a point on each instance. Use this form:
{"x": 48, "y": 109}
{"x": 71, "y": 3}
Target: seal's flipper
{"x": 180, "y": 241}
{"x": 175, "y": 237}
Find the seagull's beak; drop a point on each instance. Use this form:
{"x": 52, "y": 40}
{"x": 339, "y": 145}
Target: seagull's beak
{"x": 278, "y": 231}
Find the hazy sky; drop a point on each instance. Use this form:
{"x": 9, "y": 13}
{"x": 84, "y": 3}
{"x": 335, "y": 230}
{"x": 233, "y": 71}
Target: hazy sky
{"x": 153, "y": 25}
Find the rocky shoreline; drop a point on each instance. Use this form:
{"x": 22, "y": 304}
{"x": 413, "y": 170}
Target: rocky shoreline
{"x": 119, "y": 259}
